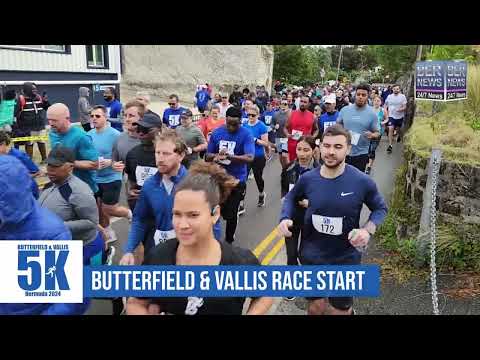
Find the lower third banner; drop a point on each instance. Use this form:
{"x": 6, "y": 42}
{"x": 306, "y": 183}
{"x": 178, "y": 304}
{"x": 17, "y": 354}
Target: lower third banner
{"x": 232, "y": 281}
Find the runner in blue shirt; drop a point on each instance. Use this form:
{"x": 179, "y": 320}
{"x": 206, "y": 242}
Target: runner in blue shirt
{"x": 267, "y": 118}
{"x": 332, "y": 234}
{"x": 114, "y": 108}
{"x": 171, "y": 116}
{"x": 232, "y": 146}
{"x": 109, "y": 173}
{"x": 73, "y": 137}
{"x": 260, "y": 137}
{"x": 202, "y": 98}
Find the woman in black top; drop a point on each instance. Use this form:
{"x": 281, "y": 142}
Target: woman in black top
{"x": 289, "y": 177}
{"x": 196, "y": 209}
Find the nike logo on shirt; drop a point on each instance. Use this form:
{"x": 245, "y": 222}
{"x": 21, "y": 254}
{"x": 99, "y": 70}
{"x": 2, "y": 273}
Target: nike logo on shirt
{"x": 345, "y": 194}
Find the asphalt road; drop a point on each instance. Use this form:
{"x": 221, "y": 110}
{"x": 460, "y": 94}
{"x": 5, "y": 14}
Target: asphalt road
{"x": 257, "y": 227}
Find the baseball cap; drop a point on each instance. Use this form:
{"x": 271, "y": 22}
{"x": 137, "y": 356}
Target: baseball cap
{"x": 60, "y": 155}
{"x": 234, "y": 112}
{"x": 186, "y": 113}
{"x": 330, "y": 99}
{"x": 150, "y": 121}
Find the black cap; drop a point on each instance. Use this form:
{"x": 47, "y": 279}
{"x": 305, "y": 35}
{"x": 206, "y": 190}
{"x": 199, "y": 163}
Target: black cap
{"x": 150, "y": 121}
{"x": 186, "y": 113}
{"x": 60, "y": 155}
{"x": 234, "y": 112}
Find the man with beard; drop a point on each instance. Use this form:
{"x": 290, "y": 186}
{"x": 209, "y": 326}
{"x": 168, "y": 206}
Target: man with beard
{"x": 233, "y": 147}
{"x": 336, "y": 193}
{"x": 361, "y": 121}
{"x": 140, "y": 161}
{"x": 114, "y": 108}
{"x": 301, "y": 123}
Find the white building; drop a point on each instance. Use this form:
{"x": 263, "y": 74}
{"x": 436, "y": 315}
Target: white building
{"x": 59, "y": 70}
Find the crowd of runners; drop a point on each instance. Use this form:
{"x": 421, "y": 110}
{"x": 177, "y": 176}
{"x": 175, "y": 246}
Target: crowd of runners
{"x": 183, "y": 173}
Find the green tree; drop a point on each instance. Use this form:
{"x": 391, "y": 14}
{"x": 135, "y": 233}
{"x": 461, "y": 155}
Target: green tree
{"x": 297, "y": 64}
{"x": 452, "y": 52}
{"x": 395, "y": 60}
{"x": 286, "y": 61}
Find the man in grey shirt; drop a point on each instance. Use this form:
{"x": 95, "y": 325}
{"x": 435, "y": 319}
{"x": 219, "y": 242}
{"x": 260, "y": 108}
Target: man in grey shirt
{"x": 134, "y": 111}
{"x": 362, "y": 122}
{"x": 193, "y": 138}
{"x": 84, "y": 108}
{"x": 69, "y": 197}
{"x": 278, "y": 123}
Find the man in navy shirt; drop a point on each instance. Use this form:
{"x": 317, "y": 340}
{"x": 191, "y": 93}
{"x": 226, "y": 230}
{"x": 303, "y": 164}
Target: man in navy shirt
{"x": 171, "y": 116}
{"x": 332, "y": 234}
{"x": 233, "y": 147}
{"x": 114, "y": 108}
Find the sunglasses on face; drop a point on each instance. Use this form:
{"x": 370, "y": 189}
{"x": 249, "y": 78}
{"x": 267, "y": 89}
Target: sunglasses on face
{"x": 96, "y": 116}
{"x": 172, "y": 104}
{"x": 224, "y": 97}
{"x": 252, "y": 115}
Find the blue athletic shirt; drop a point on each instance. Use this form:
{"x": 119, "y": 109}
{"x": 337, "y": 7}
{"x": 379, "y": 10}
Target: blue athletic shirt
{"x": 326, "y": 120}
{"x": 358, "y": 120}
{"x": 239, "y": 143}
{"x": 257, "y": 131}
{"x": 103, "y": 142}
{"x": 202, "y": 98}
{"x": 267, "y": 117}
{"x": 81, "y": 144}
{"x": 342, "y": 197}
{"x": 171, "y": 117}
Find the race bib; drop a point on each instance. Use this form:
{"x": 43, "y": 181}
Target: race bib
{"x": 162, "y": 236}
{"x": 174, "y": 120}
{"x": 268, "y": 120}
{"x": 296, "y": 134}
{"x": 142, "y": 173}
{"x": 328, "y": 225}
{"x": 355, "y": 137}
{"x": 228, "y": 145}
{"x": 327, "y": 124}
{"x": 283, "y": 140}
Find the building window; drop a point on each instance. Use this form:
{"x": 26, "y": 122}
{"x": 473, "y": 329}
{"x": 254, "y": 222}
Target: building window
{"x": 97, "y": 56}
{"x": 45, "y": 48}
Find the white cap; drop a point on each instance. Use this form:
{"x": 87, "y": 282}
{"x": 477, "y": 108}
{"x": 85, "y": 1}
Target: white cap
{"x": 331, "y": 99}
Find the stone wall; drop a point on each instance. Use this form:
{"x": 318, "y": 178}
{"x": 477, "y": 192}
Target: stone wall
{"x": 458, "y": 191}
{"x": 166, "y": 69}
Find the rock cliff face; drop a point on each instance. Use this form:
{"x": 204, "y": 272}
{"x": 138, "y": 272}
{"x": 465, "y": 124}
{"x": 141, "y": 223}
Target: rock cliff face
{"x": 167, "y": 69}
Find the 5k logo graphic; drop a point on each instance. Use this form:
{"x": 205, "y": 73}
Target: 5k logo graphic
{"x": 52, "y": 273}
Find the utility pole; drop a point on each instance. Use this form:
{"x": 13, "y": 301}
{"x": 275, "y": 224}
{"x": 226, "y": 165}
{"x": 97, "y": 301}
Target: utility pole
{"x": 339, "y": 61}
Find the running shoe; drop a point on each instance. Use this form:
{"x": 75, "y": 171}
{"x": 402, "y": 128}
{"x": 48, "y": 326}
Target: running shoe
{"x": 110, "y": 254}
{"x": 250, "y": 176}
{"x": 241, "y": 210}
{"x": 261, "y": 200}
{"x": 389, "y": 149}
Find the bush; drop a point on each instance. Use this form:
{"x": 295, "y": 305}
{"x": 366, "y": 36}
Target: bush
{"x": 473, "y": 92}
